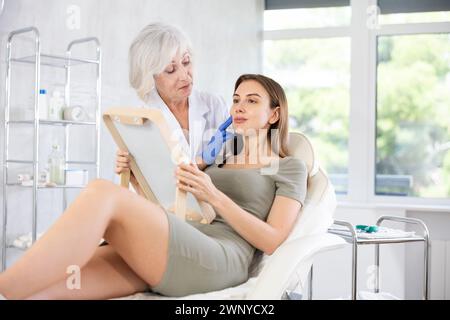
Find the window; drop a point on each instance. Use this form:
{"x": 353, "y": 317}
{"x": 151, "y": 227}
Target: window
{"x": 306, "y": 18}
{"x": 379, "y": 120}
{"x": 413, "y": 114}
{"x": 413, "y": 11}
{"x": 314, "y": 69}
{"x": 315, "y": 74}
{"x": 420, "y": 17}
{"x": 413, "y": 99}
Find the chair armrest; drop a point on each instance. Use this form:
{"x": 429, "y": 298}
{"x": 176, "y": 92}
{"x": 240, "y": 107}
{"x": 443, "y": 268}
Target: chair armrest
{"x": 281, "y": 265}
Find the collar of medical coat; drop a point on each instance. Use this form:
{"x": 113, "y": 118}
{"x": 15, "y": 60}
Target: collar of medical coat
{"x": 198, "y": 109}
{"x": 155, "y": 101}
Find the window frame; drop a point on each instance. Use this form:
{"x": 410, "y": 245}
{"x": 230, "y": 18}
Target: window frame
{"x": 363, "y": 104}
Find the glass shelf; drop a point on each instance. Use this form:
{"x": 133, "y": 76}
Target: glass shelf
{"x": 346, "y": 235}
{"x": 48, "y": 187}
{"x": 67, "y": 162}
{"x": 53, "y": 122}
{"x": 55, "y": 61}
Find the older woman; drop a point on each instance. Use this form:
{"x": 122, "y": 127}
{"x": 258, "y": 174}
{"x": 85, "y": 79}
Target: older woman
{"x": 162, "y": 73}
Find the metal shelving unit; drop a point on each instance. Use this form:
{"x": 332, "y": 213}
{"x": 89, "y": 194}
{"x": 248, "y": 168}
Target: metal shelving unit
{"x": 350, "y": 234}
{"x": 39, "y": 59}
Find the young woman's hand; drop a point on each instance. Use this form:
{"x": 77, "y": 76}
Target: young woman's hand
{"x": 122, "y": 161}
{"x": 123, "y": 165}
{"x": 191, "y": 179}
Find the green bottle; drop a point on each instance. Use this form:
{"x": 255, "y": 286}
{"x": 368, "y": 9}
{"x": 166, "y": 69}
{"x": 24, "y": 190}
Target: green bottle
{"x": 56, "y": 165}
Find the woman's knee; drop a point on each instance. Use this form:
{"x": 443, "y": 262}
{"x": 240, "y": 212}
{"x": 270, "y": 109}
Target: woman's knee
{"x": 104, "y": 191}
{"x": 121, "y": 199}
{"x": 103, "y": 188}
{"x": 100, "y": 184}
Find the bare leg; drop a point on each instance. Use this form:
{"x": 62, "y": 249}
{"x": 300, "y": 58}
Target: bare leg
{"x": 73, "y": 239}
{"x": 105, "y": 276}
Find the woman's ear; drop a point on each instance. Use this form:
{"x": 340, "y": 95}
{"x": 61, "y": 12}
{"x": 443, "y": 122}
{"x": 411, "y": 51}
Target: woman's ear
{"x": 275, "y": 115}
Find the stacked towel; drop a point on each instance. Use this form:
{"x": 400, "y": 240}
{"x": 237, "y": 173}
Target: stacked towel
{"x": 24, "y": 242}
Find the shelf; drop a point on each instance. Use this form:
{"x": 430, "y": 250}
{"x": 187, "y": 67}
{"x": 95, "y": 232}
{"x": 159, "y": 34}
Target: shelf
{"x": 81, "y": 162}
{"x": 67, "y": 162}
{"x": 348, "y": 237}
{"x": 20, "y": 161}
{"x": 47, "y": 187}
{"x": 53, "y": 122}
{"x": 26, "y": 118}
{"x": 55, "y": 61}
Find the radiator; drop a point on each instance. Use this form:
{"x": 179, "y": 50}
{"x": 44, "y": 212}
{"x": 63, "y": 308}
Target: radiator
{"x": 440, "y": 270}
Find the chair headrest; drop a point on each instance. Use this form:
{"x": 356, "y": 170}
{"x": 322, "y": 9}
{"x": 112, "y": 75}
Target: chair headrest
{"x": 300, "y": 147}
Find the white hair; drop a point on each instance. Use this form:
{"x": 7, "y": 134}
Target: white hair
{"x": 151, "y": 51}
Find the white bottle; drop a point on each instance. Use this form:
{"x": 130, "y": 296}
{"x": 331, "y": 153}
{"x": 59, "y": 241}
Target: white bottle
{"x": 43, "y": 104}
{"x": 56, "y": 166}
{"x": 56, "y": 106}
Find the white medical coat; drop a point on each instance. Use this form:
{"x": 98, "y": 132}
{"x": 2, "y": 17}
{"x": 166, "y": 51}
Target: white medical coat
{"x": 206, "y": 113}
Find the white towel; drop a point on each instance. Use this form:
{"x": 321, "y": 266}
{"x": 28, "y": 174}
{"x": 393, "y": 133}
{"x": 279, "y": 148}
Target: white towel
{"x": 384, "y": 232}
{"x": 366, "y": 295}
{"x": 24, "y": 241}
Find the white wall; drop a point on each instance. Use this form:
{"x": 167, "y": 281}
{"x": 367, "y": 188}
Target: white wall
{"x": 226, "y": 40}
{"x": 438, "y": 224}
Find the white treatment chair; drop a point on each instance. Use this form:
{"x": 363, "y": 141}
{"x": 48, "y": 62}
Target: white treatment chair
{"x": 287, "y": 269}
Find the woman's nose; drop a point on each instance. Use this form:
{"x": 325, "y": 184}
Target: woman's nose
{"x": 184, "y": 74}
{"x": 239, "y": 107}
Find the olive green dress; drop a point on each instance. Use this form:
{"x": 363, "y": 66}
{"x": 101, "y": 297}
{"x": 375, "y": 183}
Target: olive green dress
{"x": 210, "y": 257}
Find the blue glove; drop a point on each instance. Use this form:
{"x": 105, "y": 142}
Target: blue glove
{"x": 215, "y": 144}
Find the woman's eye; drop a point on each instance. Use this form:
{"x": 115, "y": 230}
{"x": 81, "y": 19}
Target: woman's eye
{"x": 170, "y": 71}
{"x": 235, "y": 101}
{"x": 252, "y": 101}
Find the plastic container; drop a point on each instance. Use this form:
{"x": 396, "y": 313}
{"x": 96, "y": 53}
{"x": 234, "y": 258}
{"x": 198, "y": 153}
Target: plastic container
{"x": 74, "y": 113}
{"x": 77, "y": 177}
{"x": 43, "y": 104}
{"x": 56, "y": 106}
{"x": 56, "y": 166}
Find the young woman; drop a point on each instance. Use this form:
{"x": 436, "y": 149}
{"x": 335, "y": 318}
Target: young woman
{"x": 151, "y": 249}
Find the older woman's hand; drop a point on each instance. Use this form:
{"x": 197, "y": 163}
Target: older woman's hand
{"x": 191, "y": 179}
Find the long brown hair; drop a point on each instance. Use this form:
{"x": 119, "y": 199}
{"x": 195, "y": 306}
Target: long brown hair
{"x": 277, "y": 99}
